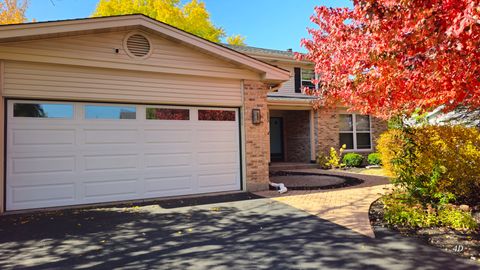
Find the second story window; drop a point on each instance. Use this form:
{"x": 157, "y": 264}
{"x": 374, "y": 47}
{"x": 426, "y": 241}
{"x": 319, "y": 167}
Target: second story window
{"x": 307, "y": 76}
{"x": 303, "y": 78}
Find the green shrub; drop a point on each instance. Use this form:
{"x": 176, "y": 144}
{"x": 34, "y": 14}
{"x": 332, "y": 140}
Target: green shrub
{"x": 434, "y": 164}
{"x": 352, "y": 160}
{"x": 403, "y": 213}
{"x": 374, "y": 159}
{"x": 399, "y": 210}
{"x": 457, "y": 219}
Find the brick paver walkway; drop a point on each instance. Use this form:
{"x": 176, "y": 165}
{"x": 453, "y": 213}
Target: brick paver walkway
{"x": 347, "y": 207}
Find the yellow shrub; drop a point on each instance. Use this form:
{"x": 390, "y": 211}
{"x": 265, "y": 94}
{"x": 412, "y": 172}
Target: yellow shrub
{"x": 390, "y": 145}
{"x": 454, "y": 149}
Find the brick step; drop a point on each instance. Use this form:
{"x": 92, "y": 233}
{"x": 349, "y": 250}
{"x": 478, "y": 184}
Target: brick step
{"x": 285, "y": 166}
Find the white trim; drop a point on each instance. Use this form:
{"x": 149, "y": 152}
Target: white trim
{"x": 313, "y": 151}
{"x": 354, "y": 133}
{"x": 243, "y": 139}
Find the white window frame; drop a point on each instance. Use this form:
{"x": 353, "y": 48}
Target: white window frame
{"x": 354, "y": 133}
{"x": 302, "y": 80}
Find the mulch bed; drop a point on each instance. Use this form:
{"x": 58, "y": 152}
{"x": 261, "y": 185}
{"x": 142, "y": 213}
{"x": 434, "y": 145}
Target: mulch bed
{"x": 460, "y": 243}
{"x": 349, "y": 181}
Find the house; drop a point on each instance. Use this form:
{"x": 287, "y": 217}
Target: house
{"x": 128, "y": 108}
{"x": 297, "y": 131}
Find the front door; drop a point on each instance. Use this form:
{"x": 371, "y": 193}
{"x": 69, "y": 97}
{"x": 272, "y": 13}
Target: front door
{"x": 276, "y": 139}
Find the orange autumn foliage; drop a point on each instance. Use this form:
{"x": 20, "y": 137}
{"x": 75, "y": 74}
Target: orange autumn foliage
{"x": 387, "y": 57}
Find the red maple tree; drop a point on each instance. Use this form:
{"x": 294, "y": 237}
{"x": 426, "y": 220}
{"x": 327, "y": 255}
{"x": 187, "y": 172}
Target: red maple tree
{"x": 389, "y": 57}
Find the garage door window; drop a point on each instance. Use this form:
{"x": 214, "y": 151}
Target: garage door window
{"x": 216, "y": 115}
{"x": 110, "y": 112}
{"x": 46, "y": 110}
{"x": 167, "y": 114}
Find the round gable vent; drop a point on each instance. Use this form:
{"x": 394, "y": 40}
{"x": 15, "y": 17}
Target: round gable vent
{"x": 138, "y": 45}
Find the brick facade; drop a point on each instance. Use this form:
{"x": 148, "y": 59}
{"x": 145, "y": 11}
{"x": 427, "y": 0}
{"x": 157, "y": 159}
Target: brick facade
{"x": 378, "y": 127}
{"x": 327, "y": 129}
{"x": 296, "y": 130}
{"x": 257, "y": 139}
{"x": 297, "y": 125}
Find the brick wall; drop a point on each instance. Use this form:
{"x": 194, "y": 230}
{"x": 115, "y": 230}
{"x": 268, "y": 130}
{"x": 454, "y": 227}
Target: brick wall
{"x": 327, "y": 129}
{"x": 297, "y": 130}
{"x": 378, "y": 127}
{"x": 257, "y": 140}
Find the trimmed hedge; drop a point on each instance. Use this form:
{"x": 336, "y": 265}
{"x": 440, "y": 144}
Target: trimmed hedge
{"x": 352, "y": 160}
{"x": 374, "y": 159}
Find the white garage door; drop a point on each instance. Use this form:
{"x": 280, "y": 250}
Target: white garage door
{"x": 63, "y": 153}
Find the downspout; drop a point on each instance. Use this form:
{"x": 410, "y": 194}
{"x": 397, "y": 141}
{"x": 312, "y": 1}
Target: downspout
{"x": 281, "y": 188}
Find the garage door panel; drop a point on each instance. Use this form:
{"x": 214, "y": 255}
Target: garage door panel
{"x": 111, "y": 162}
{"x": 46, "y": 179}
{"x": 168, "y": 160}
{"x": 217, "y": 180}
{"x": 58, "y": 162}
{"x": 121, "y": 188}
{"x": 41, "y": 165}
{"x": 219, "y": 146}
{"x": 217, "y": 135}
{"x": 169, "y": 148}
{"x": 158, "y": 136}
{"x": 160, "y": 185}
{"x": 30, "y": 196}
{"x": 111, "y": 136}
{"x": 217, "y": 158}
{"x": 43, "y": 137}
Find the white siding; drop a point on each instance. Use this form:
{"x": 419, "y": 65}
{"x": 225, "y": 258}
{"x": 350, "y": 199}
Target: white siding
{"x": 99, "y": 50}
{"x": 63, "y": 82}
{"x": 288, "y": 87}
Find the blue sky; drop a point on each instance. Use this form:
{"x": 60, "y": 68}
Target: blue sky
{"x": 275, "y": 24}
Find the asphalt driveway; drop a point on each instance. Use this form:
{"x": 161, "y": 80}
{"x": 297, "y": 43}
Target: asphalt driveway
{"x": 244, "y": 232}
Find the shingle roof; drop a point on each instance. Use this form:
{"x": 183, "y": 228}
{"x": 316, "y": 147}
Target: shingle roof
{"x": 256, "y": 50}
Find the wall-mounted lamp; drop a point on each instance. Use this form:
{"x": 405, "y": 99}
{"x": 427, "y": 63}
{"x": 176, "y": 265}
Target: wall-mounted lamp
{"x": 256, "y": 116}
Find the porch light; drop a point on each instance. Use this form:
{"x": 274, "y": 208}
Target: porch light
{"x": 256, "y": 116}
